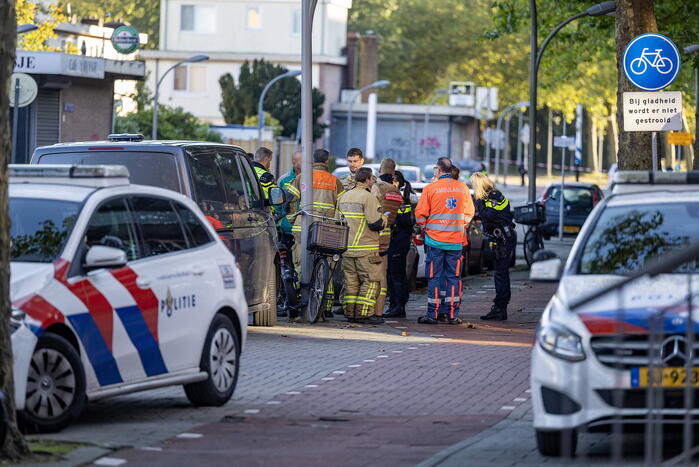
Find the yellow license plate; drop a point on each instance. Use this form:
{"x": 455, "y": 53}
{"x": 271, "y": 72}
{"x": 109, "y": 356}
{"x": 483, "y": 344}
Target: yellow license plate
{"x": 571, "y": 229}
{"x": 670, "y": 377}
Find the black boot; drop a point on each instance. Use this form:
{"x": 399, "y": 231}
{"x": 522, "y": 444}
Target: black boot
{"x": 396, "y": 311}
{"x": 497, "y": 313}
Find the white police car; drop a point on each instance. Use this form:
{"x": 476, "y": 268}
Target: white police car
{"x": 590, "y": 365}
{"x": 116, "y": 288}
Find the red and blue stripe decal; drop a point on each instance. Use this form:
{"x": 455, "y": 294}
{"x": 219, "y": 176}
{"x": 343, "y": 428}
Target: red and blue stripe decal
{"x": 637, "y": 321}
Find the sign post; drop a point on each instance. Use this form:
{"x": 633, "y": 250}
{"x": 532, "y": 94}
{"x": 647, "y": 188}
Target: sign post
{"x": 652, "y": 62}
{"x": 564, "y": 142}
{"x": 24, "y": 91}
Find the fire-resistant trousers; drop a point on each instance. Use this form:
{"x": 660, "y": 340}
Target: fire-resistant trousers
{"x": 362, "y": 283}
{"x": 444, "y": 288}
{"x": 383, "y": 286}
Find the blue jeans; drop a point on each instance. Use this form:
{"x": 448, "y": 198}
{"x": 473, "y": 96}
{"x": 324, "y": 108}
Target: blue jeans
{"x": 444, "y": 288}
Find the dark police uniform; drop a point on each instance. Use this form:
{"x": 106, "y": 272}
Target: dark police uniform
{"x": 496, "y": 216}
{"x": 401, "y": 233}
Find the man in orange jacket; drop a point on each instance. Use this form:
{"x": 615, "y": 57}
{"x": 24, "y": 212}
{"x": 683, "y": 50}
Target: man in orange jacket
{"x": 444, "y": 211}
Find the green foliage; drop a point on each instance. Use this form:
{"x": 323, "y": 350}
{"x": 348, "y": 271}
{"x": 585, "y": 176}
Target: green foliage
{"x": 144, "y": 15}
{"x": 253, "y": 120}
{"x": 283, "y": 100}
{"x": 47, "y": 17}
{"x": 173, "y": 124}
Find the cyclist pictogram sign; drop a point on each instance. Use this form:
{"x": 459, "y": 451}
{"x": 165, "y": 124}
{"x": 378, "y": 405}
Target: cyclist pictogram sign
{"x": 651, "y": 61}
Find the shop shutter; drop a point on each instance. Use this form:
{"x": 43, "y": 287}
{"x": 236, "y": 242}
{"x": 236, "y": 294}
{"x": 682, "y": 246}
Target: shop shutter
{"x": 48, "y": 115}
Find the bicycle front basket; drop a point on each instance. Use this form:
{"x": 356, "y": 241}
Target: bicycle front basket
{"x": 530, "y": 214}
{"x": 326, "y": 238}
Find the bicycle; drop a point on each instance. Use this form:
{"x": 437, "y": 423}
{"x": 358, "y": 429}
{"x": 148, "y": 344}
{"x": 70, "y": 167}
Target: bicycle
{"x": 533, "y": 215}
{"x": 327, "y": 240}
{"x": 662, "y": 65}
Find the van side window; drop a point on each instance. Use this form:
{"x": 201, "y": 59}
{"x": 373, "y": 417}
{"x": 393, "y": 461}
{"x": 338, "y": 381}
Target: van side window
{"x": 160, "y": 226}
{"x": 252, "y": 187}
{"x": 208, "y": 183}
{"x": 232, "y": 181}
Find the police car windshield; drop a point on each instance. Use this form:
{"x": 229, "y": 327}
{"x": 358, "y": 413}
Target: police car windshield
{"x": 40, "y": 228}
{"x": 625, "y": 238}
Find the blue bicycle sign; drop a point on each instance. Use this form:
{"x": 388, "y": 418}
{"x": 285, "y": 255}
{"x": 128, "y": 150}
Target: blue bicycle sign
{"x": 651, "y": 61}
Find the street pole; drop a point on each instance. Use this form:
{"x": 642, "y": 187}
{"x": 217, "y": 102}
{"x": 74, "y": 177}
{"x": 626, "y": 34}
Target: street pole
{"x": 561, "y": 201}
{"x": 375, "y": 85}
{"x": 654, "y": 149}
{"x": 308, "y": 8}
{"x": 154, "y": 124}
{"x": 519, "y": 138}
{"x": 371, "y": 127}
{"x": 15, "y": 123}
{"x": 507, "y": 148}
{"x": 261, "y": 100}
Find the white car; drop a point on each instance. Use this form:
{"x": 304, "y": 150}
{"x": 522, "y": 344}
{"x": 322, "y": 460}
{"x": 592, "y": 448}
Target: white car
{"x": 410, "y": 172}
{"x": 116, "y": 288}
{"x": 590, "y": 362}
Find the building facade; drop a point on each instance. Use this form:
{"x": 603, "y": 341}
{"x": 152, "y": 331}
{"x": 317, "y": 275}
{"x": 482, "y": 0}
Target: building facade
{"x": 231, "y": 32}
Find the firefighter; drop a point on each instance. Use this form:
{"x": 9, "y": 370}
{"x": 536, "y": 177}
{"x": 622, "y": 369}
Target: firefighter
{"x": 361, "y": 263}
{"x": 444, "y": 211}
{"x": 494, "y": 211}
{"x": 401, "y": 234}
{"x": 391, "y": 200}
{"x": 355, "y": 161}
{"x": 326, "y": 188}
{"x": 263, "y": 160}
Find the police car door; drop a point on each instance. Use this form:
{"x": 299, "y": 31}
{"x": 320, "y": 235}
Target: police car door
{"x": 180, "y": 277}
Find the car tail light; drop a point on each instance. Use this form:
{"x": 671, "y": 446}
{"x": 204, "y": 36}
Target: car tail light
{"x": 105, "y": 148}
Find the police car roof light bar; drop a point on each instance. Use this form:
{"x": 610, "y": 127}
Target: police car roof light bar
{"x": 68, "y": 171}
{"x": 650, "y": 177}
{"x": 116, "y": 137}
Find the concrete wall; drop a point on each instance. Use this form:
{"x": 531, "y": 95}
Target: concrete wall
{"x": 278, "y": 32}
{"x": 86, "y": 110}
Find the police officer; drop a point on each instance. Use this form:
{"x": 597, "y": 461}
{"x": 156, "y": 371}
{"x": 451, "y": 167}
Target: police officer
{"x": 494, "y": 211}
{"x": 401, "y": 234}
{"x": 444, "y": 211}
{"x": 261, "y": 164}
{"x": 390, "y": 198}
{"x": 361, "y": 263}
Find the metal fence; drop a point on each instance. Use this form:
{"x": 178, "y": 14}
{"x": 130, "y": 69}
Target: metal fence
{"x": 663, "y": 408}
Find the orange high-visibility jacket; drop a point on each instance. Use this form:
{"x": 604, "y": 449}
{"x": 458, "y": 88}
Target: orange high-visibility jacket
{"x": 445, "y": 210}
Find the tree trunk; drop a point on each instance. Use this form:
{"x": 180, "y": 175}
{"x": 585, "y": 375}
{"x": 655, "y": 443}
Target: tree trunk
{"x": 13, "y": 446}
{"x": 633, "y": 17}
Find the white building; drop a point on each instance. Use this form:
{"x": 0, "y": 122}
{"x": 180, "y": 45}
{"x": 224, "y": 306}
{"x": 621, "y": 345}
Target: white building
{"x": 233, "y": 31}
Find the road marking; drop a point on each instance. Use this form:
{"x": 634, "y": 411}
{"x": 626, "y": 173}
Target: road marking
{"x": 390, "y": 322}
{"x": 110, "y": 461}
{"x": 339, "y": 372}
{"x": 150, "y": 448}
{"x": 520, "y": 399}
{"x": 507, "y": 407}
{"x": 401, "y": 327}
{"x": 311, "y": 386}
{"x": 382, "y": 356}
{"x": 329, "y": 378}
{"x": 412, "y": 348}
{"x": 273, "y": 402}
{"x": 250, "y": 411}
{"x": 353, "y": 366}
{"x": 434, "y": 335}
{"x": 369, "y": 361}
{"x": 397, "y": 351}
{"x": 292, "y": 393}
{"x": 528, "y": 390}
{"x": 480, "y": 291}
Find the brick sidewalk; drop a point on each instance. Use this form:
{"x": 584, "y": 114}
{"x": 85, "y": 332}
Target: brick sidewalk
{"x": 416, "y": 396}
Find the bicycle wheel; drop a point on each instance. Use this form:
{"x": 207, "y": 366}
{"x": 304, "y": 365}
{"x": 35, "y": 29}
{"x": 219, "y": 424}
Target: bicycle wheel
{"x": 638, "y": 66}
{"x": 532, "y": 243}
{"x": 317, "y": 290}
{"x": 664, "y": 65}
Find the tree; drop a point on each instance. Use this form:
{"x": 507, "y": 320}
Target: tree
{"x": 173, "y": 123}
{"x": 13, "y": 446}
{"x": 144, "y": 15}
{"x": 46, "y": 17}
{"x": 283, "y": 100}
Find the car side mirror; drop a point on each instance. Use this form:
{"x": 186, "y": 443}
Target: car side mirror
{"x": 276, "y": 196}
{"x": 99, "y": 256}
{"x": 548, "y": 270}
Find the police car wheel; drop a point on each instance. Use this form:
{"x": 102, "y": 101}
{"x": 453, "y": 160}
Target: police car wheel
{"x": 55, "y": 386}
{"x": 220, "y": 360}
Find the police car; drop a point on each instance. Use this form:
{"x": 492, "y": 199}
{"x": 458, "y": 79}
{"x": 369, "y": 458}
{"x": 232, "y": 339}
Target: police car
{"x": 116, "y": 288}
{"x": 590, "y": 361}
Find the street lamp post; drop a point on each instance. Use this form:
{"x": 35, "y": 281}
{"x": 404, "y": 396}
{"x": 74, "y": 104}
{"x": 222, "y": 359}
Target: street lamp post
{"x": 21, "y": 29}
{"x": 505, "y": 112}
{"x": 260, "y": 102}
{"x": 535, "y": 59}
{"x": 375, "y": 85}
{"x": 193, "y": 59}
{"x": 437, "y": 94}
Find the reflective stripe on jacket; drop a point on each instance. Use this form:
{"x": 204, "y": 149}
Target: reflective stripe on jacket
{"x": 363, "y": 213}
{"x": 326, "y": 188}
{"x": 266, "y": 179}
{"x": 445, "y": 210}
{"x": 391, "y": 200}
